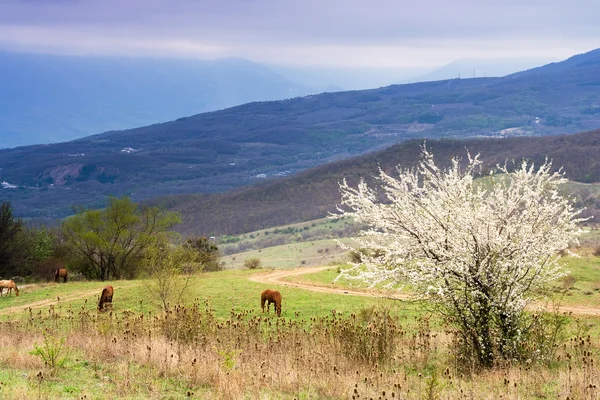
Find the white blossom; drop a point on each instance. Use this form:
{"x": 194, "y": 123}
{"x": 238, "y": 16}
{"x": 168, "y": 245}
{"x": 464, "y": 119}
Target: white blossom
{"x": 462, "y": 240}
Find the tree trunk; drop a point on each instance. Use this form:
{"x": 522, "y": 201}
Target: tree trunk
{"x": 483, "y": 340}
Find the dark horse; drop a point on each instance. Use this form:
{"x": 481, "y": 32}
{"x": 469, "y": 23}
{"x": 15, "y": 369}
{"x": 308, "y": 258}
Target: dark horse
{"x": 105, "y": 297}
{"x": 271, "y": 296}
{"x": 61, "y": 273}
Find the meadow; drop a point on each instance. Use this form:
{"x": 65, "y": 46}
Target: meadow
{"x": 219, "y": 344}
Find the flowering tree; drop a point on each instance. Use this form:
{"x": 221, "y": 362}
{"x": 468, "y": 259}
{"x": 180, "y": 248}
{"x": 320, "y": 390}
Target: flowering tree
{"x": 480, "y": 250}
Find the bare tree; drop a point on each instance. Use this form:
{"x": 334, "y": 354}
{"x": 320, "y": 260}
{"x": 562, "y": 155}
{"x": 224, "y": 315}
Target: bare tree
{"x": 171, "y": 270}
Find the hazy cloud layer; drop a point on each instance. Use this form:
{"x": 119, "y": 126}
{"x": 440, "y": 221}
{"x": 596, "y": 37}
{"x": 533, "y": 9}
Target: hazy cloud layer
{"x": 357, "y": 33}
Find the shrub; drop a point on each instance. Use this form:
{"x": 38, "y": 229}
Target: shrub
{"x": 568, "y": 282}
{"x": 50, "y": 352}
{"x": 252, "y": 263}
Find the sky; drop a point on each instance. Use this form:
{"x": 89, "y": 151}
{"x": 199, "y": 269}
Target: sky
{"x": 327, "y": 34}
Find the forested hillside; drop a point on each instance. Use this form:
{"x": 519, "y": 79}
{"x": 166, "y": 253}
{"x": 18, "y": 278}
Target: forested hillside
{"x": 241, "y": 146}
{"x": 314, "y": 193}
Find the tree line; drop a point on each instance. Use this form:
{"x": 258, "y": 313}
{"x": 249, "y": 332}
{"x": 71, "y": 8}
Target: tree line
{"x": 116, "y": 242}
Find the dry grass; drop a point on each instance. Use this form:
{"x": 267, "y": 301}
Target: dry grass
{"x": 369, "y": 355}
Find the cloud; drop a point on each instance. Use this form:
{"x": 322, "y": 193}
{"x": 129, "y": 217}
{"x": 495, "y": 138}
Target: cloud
{"x": 324, "y": 32}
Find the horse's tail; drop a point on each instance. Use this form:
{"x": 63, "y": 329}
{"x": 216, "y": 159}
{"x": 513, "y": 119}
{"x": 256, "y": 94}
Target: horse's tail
{"x": 56, "y": 275}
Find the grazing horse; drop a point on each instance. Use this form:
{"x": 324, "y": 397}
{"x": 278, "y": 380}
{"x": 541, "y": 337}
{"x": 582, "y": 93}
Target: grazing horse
{"x": 271, "y": 296}
{"x": 105, "y": 297}
{"x": 61, "y": 273}
{"x": 9, "y": 285}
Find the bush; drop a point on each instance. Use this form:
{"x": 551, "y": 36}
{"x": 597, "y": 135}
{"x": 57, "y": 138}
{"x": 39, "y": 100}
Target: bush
{"x": 50, "y": 352}
{"x": 568, "y": 282}
{"x": 252, "y": 263}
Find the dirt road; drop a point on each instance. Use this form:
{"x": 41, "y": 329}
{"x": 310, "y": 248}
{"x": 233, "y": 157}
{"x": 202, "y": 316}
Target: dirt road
{"x": 277, "y": 277}
{"x": 50, "y": 301}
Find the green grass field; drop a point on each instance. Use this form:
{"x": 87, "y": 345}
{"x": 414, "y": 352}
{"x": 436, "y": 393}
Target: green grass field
{"x": 292, "y": 255}
{"x": 225, "y": 291}
{"x": 105, "y": 354}
{"x": 315, "y": 230}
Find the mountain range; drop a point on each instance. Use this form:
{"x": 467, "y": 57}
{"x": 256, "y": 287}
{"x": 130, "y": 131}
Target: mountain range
{"x": 55, "y": 98}
{"x": 481, "y": 68}
{"x": 222, "y": 150}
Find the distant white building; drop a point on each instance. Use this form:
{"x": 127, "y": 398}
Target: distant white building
{"x": 6, "y": 185}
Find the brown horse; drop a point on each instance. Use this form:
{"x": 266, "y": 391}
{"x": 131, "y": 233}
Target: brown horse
{"x": 271, "y": 296}
{"x": 61, "y": 273}
{"x": 10, "y": 285}
{"x": 105, "y": 297}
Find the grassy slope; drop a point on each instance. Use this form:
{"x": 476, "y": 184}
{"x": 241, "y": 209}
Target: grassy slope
{"x": 312, "y": 253}
{"x": 226, "y": 292}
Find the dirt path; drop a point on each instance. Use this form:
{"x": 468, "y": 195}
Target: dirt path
{"x": 94, "y": 294}
{"x": 277, "y": 277}
{"x": 49, "y": 302}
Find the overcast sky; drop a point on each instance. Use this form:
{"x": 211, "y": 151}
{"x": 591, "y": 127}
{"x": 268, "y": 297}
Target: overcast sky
{"x": 330, "y": 33}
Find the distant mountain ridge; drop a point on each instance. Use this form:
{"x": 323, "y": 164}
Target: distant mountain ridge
{"x": 51, "y": 98}
{"x": 577, "y": 61}
{"x": 480, "y": 68}
{"x": 239, "y": 146}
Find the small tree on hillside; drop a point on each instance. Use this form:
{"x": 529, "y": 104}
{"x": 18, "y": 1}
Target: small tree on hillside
{"x": 170, "y": 269}
{"x": 480, "y": 250}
